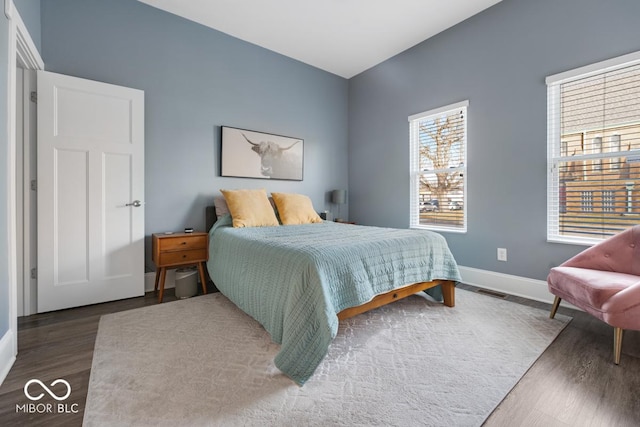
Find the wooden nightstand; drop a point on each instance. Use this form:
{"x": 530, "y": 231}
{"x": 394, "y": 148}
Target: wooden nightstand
{"x": 342, "y": 221}
{"x": 179, "y": 250}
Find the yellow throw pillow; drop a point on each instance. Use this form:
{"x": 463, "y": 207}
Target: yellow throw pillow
{"x": 250, "y": 208}
{"x": 295, "y": 209}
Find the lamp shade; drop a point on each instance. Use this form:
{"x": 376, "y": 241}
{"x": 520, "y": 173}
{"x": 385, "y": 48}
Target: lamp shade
{"x": 339, "y": 197}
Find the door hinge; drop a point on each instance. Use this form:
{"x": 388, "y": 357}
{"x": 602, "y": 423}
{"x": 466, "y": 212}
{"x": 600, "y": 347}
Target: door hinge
{"x": 34, "y": 97}
{"x": 34, "y": 273}
{"x": 34, "y": 185}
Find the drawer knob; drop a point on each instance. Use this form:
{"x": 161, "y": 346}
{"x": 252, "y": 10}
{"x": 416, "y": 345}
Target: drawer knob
{"x": 395, "y": 296}
{"x": 183, "y": 243}
{"x": 184, "y": 256}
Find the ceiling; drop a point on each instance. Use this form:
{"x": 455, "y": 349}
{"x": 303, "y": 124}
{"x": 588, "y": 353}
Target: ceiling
{"x": 344, "y": 37}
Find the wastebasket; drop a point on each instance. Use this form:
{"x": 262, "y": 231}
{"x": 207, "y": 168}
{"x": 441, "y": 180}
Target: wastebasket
{"x": 186, "y": 282}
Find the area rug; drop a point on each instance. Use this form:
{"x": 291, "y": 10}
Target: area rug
{"x": 203, "y": 362}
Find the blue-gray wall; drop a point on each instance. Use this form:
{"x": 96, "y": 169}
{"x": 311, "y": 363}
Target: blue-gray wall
{"x": 4, "y": 155}
{"x": 498, "y": 60}
{"x": 30, "y": 13}
{"x": 195, "y": 80}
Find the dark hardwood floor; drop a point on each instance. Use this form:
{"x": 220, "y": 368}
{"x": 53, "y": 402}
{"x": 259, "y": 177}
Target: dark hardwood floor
{"x": 56, "y": 345}
{"x": 573, "y": 383}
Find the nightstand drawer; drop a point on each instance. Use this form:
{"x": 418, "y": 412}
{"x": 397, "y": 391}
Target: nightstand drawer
{"x": 181, "y": 257}
{"x": 183, "y": 243}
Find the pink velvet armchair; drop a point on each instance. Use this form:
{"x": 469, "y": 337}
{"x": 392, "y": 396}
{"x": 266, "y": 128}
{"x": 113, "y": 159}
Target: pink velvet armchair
{"x": 604, "y": 281}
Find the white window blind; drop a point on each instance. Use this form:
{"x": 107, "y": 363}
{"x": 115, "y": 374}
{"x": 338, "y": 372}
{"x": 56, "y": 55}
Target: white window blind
{"x": 593, "y": 145}
{"x": 438, "y": 167}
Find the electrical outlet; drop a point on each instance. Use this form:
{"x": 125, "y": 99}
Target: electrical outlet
{"x": 502, "y": 254}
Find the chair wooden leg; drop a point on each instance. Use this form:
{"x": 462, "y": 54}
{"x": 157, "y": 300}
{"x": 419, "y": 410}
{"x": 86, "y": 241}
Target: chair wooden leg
{"x": 617, "y": 344}
{"x": 554, "y": 307}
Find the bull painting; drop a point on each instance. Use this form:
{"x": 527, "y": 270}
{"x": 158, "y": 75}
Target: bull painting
{"x": 253, "y": 154}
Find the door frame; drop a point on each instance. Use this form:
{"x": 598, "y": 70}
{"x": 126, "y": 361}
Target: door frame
{"x": 21, "y": 50}
{"x": 26, "y": 140}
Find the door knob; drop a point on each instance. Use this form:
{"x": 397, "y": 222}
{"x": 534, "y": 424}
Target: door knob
{"x": 135, "y": 204}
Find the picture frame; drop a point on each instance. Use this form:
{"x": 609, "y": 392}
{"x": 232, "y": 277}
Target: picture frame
{"x": 252, "y": 154}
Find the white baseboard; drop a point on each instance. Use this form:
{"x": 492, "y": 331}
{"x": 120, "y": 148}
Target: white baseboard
{"x": 7, "y": 356}
{"x": 532, "y": 289}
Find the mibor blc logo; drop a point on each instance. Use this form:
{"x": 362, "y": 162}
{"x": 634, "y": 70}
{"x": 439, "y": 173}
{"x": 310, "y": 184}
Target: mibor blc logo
{"x": 47, "y": 389}
{"x": 59, "y": 390}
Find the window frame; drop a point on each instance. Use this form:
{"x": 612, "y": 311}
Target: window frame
{"x": 415, "y": 172}
{"x": 554, "y": 143}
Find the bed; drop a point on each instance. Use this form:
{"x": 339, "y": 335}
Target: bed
{"x": 299, "y": 281}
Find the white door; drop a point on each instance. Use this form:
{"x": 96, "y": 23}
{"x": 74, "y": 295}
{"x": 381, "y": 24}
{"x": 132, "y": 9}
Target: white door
{"x": 90, "y": 192}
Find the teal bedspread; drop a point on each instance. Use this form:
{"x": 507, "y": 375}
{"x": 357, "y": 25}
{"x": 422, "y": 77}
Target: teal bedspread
{"x": 294, "y": 279}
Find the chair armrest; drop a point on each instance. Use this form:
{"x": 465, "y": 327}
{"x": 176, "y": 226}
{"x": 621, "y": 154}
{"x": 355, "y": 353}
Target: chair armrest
{"x": 624, "y": 300}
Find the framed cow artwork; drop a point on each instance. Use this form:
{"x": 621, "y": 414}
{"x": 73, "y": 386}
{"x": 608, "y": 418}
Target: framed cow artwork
{"x": 250, "y": 154}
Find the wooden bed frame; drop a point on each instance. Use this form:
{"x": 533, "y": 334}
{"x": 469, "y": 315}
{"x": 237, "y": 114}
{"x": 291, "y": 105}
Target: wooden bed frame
{"x": 448, "y": 286}
{"x": 448, "y": 293}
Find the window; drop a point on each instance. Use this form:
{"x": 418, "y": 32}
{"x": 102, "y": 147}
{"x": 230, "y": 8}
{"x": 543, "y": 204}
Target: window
{"x": 608, "y": 201}
{"x": 614, "y": 147}
{"x": 593, "y": 146}
{"x": 596, "y": 147}
{"x": 438, "y": 150}
{"x": 587, "y": 201}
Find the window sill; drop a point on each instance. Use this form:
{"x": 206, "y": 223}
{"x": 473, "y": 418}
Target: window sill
{"x": 439, "y": 229}
{"x": 577, "y": 242}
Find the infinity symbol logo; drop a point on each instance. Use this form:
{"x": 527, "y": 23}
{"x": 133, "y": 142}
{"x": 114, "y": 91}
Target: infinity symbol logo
{"x": 47, "y": 389}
